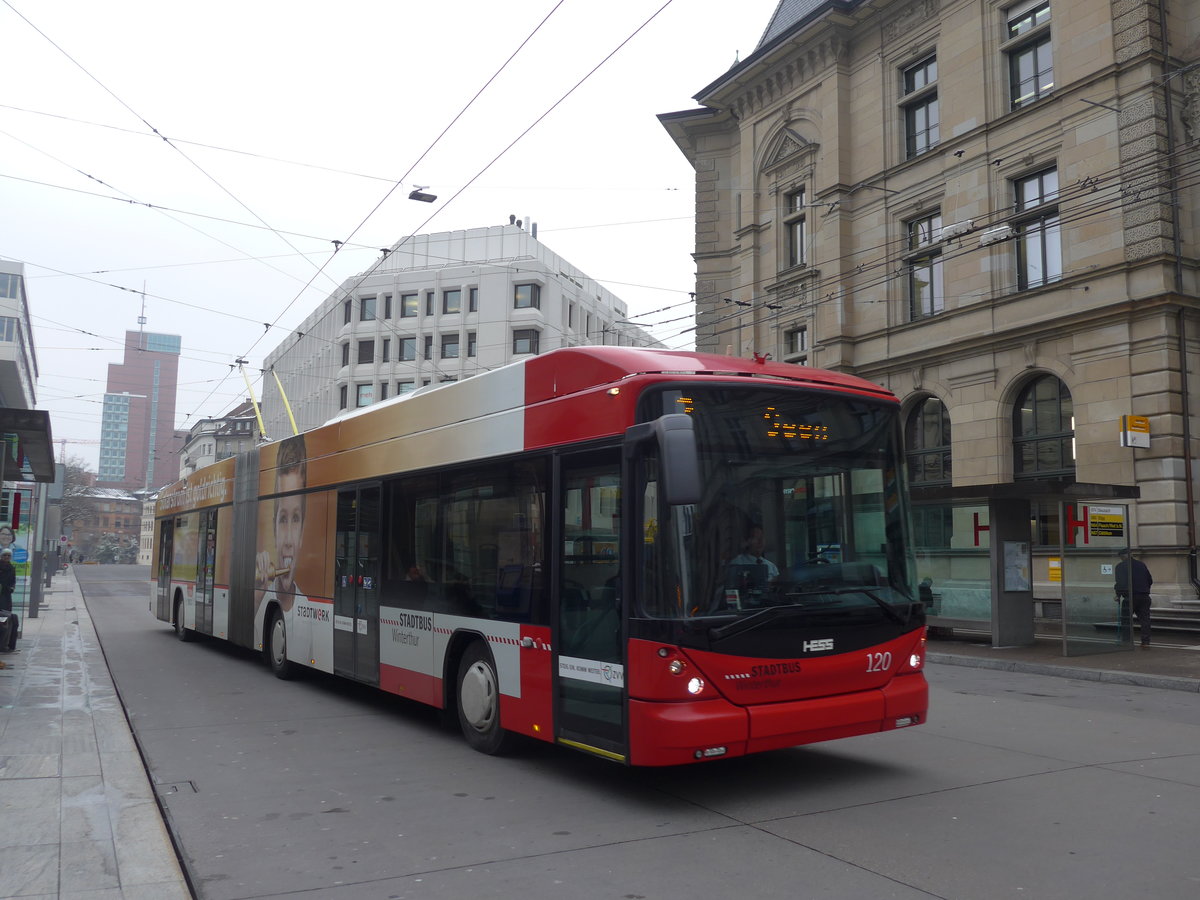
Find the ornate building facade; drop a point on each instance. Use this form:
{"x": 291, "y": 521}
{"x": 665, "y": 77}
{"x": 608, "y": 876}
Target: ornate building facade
{"x": 990, "y": 208}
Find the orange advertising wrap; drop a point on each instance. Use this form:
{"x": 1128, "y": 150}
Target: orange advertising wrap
{"x": 211, "y": 486}
{"x": 292, "y": 552}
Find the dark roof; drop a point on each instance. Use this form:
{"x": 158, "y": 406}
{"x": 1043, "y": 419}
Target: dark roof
{"x": 787, "y": 14}
{"x": 1045, "y": 489}
{"x": 32, "y": 428}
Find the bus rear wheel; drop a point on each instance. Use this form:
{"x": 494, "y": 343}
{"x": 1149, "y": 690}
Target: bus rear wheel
{"x": 479, "y": 701}
{"x": 276, "y": 647}
{"x": 182, "y": 632}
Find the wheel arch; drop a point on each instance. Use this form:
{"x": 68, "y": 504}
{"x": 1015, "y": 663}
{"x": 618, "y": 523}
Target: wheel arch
{"x": 457, "y": 646}
{"x": 269, "y": 610}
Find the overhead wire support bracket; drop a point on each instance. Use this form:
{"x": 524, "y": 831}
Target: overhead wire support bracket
{"x": 262, "y": 429}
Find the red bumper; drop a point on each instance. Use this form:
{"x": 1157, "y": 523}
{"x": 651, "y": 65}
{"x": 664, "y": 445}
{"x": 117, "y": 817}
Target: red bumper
{"x": 667, "y": 734}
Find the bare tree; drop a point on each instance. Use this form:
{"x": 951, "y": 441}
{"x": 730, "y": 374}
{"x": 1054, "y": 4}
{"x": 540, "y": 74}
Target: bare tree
{"x": 77, "y": 507}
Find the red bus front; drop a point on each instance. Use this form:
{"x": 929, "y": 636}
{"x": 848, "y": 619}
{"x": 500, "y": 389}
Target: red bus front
{"x": 775, "y": 606}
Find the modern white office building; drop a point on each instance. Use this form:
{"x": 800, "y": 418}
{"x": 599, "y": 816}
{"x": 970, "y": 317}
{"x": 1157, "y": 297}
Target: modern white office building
{"x": 437, "y": 308}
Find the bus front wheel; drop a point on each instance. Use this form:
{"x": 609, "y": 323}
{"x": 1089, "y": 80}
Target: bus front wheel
{"x": 479, "y": 701}
{"x": 276, "y": 648}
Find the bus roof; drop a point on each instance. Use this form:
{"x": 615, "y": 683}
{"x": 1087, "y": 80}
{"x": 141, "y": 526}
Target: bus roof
{"x": 568, "y": 370}
{"x": 560, "y": 397}
{"x": 579, "y": 368}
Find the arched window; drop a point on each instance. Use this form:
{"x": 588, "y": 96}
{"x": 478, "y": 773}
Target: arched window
{"x": 927, "y": 443}
{"x": 1044, "y": 431}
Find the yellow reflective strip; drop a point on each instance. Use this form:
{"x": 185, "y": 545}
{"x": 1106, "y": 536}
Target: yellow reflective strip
{"x": 587, "y": 748}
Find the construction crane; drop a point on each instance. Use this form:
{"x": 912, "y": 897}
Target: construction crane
{"x": 62, "y": 453}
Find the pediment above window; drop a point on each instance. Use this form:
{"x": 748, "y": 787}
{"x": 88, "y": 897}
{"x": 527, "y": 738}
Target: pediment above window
{"x": 787, "y": 144}
{"x": 787, "y": 148}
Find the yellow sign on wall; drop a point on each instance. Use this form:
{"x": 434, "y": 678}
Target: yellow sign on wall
{"x": 1135, "y": 431}
{"x": 1055, "y": 568}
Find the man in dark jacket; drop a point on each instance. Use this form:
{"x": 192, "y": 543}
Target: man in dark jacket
{"x": 1133, "y": 577}
{"x": 8, "y": 582}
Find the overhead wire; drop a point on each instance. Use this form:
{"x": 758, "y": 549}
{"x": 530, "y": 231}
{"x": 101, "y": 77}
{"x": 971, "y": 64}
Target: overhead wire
{"x": 842, "y": 280}
{"x": 404, "y": 177}
{"x": 511, "y": 144}
{"x": 1074, "y": 215}
{"x": 300, "y": 163}
{"x": 396, "y": 184}
{"x": 264, "y": 224}
{"x": 349, "y": 291}
{"x": 1064, "y": 195}
{"x": 204, "y": 172}
{"x": 844, "y": 276}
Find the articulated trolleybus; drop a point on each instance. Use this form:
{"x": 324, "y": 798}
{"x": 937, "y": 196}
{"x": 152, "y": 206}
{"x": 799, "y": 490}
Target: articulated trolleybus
{"x": 655, "y": 557}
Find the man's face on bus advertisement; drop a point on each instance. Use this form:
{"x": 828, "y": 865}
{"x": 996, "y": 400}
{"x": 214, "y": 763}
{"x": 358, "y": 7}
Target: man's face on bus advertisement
{"x": 289, "y": 526}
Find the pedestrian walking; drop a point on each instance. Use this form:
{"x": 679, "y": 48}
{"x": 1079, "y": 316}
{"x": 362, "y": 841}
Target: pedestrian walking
{"x": 1133, "y": 578}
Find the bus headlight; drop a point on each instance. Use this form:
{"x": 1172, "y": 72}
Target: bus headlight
{"x": 676, "y": 666}
{"x": 916, "y": 656}
{"x": 695, "y": 685}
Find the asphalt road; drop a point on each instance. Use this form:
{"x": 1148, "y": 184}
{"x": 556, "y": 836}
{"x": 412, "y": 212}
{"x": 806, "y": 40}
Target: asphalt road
{"x": 1020, "y": 786}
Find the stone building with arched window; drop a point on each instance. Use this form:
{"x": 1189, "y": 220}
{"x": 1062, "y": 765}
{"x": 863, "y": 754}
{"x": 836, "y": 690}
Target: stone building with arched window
{"x": 989, "y": 207}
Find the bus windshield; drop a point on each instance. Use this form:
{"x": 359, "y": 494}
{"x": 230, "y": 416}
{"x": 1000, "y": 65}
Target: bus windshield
{"x": 802, "y": 513}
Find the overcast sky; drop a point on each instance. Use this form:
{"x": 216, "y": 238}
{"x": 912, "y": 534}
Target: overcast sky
{"x": 288, "y": 123}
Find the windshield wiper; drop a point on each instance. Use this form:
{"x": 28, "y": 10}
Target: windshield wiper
{"x": 803, "y": 601}
{"x": 750, "y": 622}
{"x": 879, "y": 601}
{"x": 888, "y": 608}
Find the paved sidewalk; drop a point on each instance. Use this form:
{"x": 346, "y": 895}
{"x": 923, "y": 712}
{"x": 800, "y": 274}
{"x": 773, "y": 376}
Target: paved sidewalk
{"x": 1174, "y": 668}
{"x": 79, "y": 816}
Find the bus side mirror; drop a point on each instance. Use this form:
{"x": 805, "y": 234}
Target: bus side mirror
{"x": 679, "y": 469}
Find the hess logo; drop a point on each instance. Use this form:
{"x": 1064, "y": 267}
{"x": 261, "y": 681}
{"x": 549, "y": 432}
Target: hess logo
{"x": 818, "y": 645}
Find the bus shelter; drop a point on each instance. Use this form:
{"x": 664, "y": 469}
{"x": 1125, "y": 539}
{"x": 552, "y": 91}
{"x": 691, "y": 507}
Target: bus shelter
{"x": 26, "y": 461}
{"x": 1011, "y": 559}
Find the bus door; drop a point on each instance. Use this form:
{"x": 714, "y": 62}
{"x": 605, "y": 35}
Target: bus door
{"x": 166, "y": 554}
{"x": 356, "y": 585}
{"x": 590, "y": 676}
{"x": 206, "y": 564}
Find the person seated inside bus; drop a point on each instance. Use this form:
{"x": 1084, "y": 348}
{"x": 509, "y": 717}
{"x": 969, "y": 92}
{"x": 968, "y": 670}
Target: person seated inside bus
{"x": 747, "y": 575}
{"x": 753, "y": 547}
{"x": 413, "y": 588}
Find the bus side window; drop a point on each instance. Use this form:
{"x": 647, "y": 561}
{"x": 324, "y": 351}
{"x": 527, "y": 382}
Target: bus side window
{"x": 494, "y": 519}
{"x": 409, "y": 575}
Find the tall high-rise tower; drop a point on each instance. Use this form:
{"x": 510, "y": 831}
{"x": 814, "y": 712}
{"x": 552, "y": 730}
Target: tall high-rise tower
{"x": 137, "y": 439}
